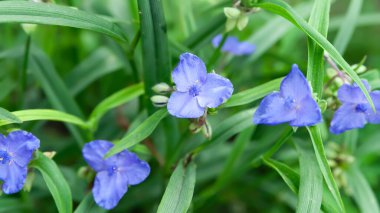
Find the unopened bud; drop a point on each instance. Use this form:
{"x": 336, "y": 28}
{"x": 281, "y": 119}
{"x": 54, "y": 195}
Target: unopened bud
{"x": 29, "y": 28}
{"x": 162, "y": 88}
{"x": 29, "y": 181}
{"x": 194, "y": 128}
{"x": 359, "y": 68}
{"x": 322, "y": 105}
{"x": 207, "y": 130}
{"x": 231, "y": 12}
{"x": 230, "y": 24}
{"x": 159, "y": 100}
{"x": 242, "y": 22}
{"x": 50, "y": 155}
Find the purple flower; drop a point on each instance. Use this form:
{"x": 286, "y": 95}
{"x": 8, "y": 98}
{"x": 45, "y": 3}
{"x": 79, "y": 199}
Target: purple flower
{"x": 114, "y": 174}
{"x": 355, "y": 110}
{"x": 294, "y": 103}
{"x": 233, "y": 46}
{"x": 16, "y": 151}
{"x": 196, "y": 89}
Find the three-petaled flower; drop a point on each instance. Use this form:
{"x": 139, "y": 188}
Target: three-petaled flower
{"x": 233, "y": 46}
{"x": 355, "y": 111}
{"x": 196, "y": 89}
{"x": 16, "y": 151}
{"x": 114, "y": 174}
{"x": 294, "y": 103}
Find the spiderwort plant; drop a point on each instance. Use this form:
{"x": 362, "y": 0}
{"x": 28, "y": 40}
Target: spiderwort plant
{"x": 196, "y": 90}
{"x": 233, "y": 46}
{"x": 355, "y": 111}
{"x": 16, "y": 151}
{"x": 294, "y": 103}
{"x": 114, "y": 174}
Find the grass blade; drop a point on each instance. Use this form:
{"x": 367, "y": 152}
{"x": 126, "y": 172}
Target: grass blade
{"x": 179, "y": 192}
{"x": 7, "y": 116}
{"x": 140, "y": 133}
{"x": 45, "y": 115}
{"x": 51, "y": 14}
{"x": 55, "y": 181}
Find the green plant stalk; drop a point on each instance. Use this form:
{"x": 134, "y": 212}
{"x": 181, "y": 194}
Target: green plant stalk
{"x": 148, "y": 52}
{"x": 214, "y": 57}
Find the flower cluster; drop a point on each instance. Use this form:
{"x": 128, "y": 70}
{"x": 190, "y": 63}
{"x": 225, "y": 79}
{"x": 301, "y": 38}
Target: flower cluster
{"x": 233, "y": 46}
{"x": 16, "y": 151}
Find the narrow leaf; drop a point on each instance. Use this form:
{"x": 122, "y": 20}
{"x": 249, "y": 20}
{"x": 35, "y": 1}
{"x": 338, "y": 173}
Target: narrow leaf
{"x": 55, "y": 181}
{"x": 88, "y": 205}
{"x": 115, "y": 100}
{"x": 7, "y": 116}
{"x": 44, "y": 115}
{"x": 140, "y": 133}
{"x": 319, "y": 150}
{"x": 253, "y": 94}
{"x": 179, "y": 192}
{"x": 52, "y": 14}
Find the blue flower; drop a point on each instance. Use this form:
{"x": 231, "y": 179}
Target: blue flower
{"x": 196, "y": 89}
{"x": 294, "y": 103}
{"x": 114, "y": 174}
{"x": 16, "y": 151}
{"x": 233, "y": 46}
{"x": 355, "y": 111}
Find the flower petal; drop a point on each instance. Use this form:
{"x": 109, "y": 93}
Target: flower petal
{"x": 272, "y": 111}
{"x": 13, "y": 177}
{"x": 3, "y": 143}
{"x": 182, "y": 105}
{"x": 244, "y": 48}
{"x": 295, "y": 85}
{"x": 109, "y": 188}
{"x": 308, "y": 114}
{"x": 346, "y": 118}
{"x": 372, "y": 117}
{"x": 136, "y": 169}
{"x": 215, "y": 91}
{"x": 190, "y": 71}
{"x": 94, "y": 152}
{"x": 22, "y": 144}
{"x": 352, "y": 93}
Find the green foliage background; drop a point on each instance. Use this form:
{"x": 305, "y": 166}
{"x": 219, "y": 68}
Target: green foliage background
{"x": 98, "y": 74}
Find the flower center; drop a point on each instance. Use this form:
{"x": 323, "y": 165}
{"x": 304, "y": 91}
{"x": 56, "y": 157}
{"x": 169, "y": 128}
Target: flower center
{"x": 4, "y": 157}
{"x": 361, "y": 108}
{"x": 290, "y": 103}
{"x": 194, "y": 90}
{"x": 112, "y": 170}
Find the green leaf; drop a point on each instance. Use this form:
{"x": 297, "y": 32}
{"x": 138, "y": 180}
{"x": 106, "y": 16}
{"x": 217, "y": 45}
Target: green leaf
{"x": 179, "y": 192}
{"x": 348, "y": 25}
{"x": 52, "y": 14}
{"x": 55, "y": 89}
{"x": 283, "y": 9}
{"x": 361, "y": 191}
{"x": 291, "y": 178}
{"x": 88, "y": 205}
{"x": 319, "y": 150}
{"x": 310, "y": 190}
{"x": 319, "y": 19}
{"x": 115, "y": 100}
{"x": 7, "y": 116}
{"x": 11, "y": 205}
{"x": 44, "y": 115}
{"x": 140, "y": 133}
{"x": 253, "y": 94}
{"x": 55, "y": 181}
{"x": 100, "y": 63}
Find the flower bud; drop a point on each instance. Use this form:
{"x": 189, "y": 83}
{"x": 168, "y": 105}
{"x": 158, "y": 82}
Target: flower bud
{"x": 207, "y": 130}
{"x": 50, "y": 155}
{"x": 231, "y": 12}
{"x": 322, "y": 105}
{"x": 359, "y": 68}
{"x": 230, "y": 24}
{"x": 29, "y": 28}
{"x": 29, "y": 181}
{"x": 159, "y": 100}
{"x": 242, "y": 22}
{"x": 161, "y": 88}
{"x": 194, "y": 128}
